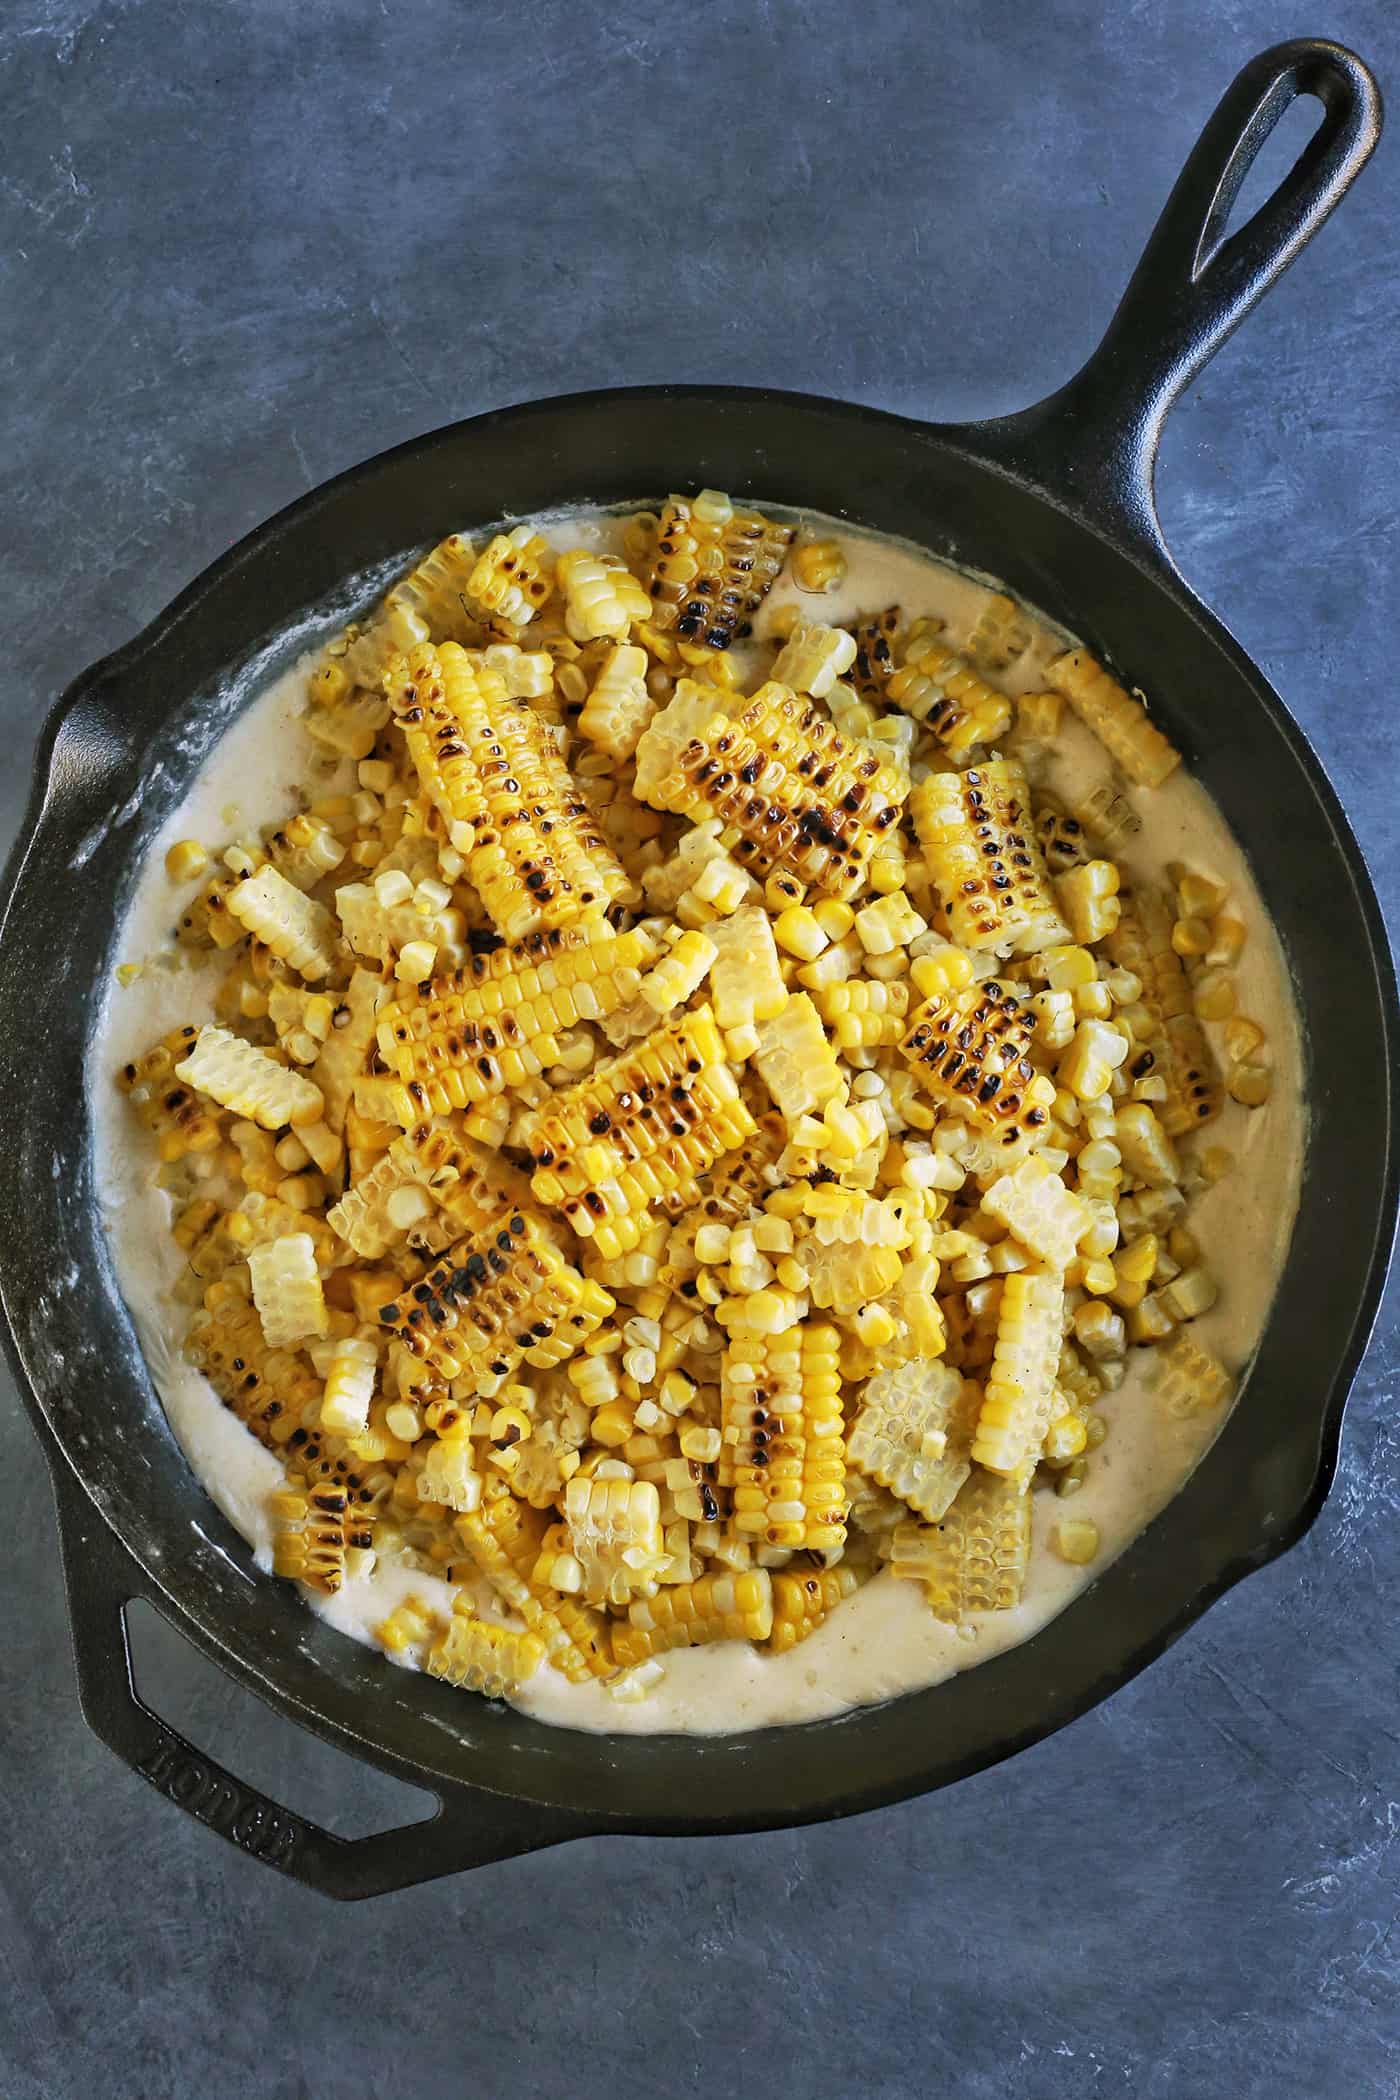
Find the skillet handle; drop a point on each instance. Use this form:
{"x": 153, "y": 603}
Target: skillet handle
{"x": 1098, "y": 435}
{"x": 469, "y": 1829}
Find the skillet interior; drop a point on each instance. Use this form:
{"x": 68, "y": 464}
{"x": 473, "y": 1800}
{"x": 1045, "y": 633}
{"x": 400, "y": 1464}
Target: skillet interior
{"x": 1264, "y": 1479}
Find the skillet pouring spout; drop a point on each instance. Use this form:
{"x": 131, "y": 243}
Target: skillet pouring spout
{"x": 1057, "y": 501}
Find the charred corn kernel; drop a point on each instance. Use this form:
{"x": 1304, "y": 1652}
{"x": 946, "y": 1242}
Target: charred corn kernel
{"x": 287, "y": 1290}
{"x": 1118, "y": 720}
{"x": 415, "y": 962}
{"x": 802, "y": 1601}
{"x": 1087, "y": 1067}
{"x": 783, "y": 1454}
{"x": 1040, "y": 716}
{"x": 498, "y": 1296}
{"x": 1242, "y": 1039}
{"x": 913, "y": 1434}
{"x": 813, "y": 658}
{"x": 1190, "y": 1380}
{"x": 713, "y": 568}
{"x": 534, "y": 850}
{"x": 509, "y": 581}
{"x": 619, "y": 706}
{"x": 454, "y": 1187}
{"x": 248, "y": 1081}
{"x": 874, "y": 662}
{"x": 746, "y": 981}
{"x": 938, "y": 687}
{"x": 819, "y": 566}
{"x": 1099, "y": 1331}
{"x": 1076, "y": 1540}
{"x": 186, "y": 861}
{"x": 800, "y": 932}
{"x": 1250, "y": 1085}
{"x": 349, "y": 1386}
{"x": 1020, "y": 1392}
{"x": 181, "y": 1123}
{"x": 480, "y": 1656}
{"x": 496, "y": 1023}
{"x": 757, "y": 774}
{"x": 638, "y": 1132}
{"x": 1002, "y": 633}
{"x": 983, "y": 859}
{"x": 722, "y": 1607}
{"x": 970, "y": 1050}
{"x": 1227, "y": 939}
{"x": 1088, "y": 898}
{"x": 1038, "y": 1210}
{"x": 679, "y": 973}
{"x": 315, "y": 1525}
{"x": 975, "y": 1559}
{"x": 797, "y": 1062}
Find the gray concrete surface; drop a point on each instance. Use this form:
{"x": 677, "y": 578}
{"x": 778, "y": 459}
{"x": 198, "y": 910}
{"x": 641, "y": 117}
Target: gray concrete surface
{"x": 242, "y": 246}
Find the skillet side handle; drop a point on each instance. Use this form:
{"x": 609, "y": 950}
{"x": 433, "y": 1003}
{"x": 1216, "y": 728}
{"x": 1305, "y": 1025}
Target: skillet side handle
{"x": 468, "y": 1830}
{"x": 1195, "y": 283}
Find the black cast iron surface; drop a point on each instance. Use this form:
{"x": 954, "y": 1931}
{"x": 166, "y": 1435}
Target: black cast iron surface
{"x": 1024, "y": 1820}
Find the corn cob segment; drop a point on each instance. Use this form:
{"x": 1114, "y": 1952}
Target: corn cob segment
{"x": 345, "y": 1054}
{"x": 248, "y": 1081}
{"x": 971, "y": 1050}
{"x": 509, "y": 581}
{"x": 873, "y": 665}
{"x": 1118, "y": 720}
{"x": 304, "y": 850}
{"x": 865, "y": 1016}
{"x": 500, "y": 1295}
{"x": 802, "y": 1602}
{"x": 902, "y": 1434}
{"x": 534, "y": 850}
{"x": 431, "y": 1187}
{"x": 293, "y": 926}
{"x": 479, "y": 1656}
{"x": 349, "y": 1389}
{"x": 287, "y": 1290}
{"x": 713, "y": 568}
{"x": 430, "y": 603}
{"x": 724, "y": 1607}
{"x": 615, "y": 1535}
{"x": 940, "y": 688}
{"x": 602, "y": 598}
{"x": 176, "y": 1117}
{"x": 783, "y": 1450}
{"x": 746, "y": 979}
{"x": 690, "y": 709}
{"x": 1190, "y": 1381}
{"x": 813, "y": 658}
{"x": 496, "y": 1023}
{"x": 274, "y": 1393}
{"x": 983, "y": 858}
{"x": 316, "y": 1523}
{"x": 1019, "y": 1402}
{"x": 1061, "y": 838}
{"x": 1038, "y": 1210}
{"x": 1002, "y": 633}
{"x": 1142, "y": 942}
{"x": 793, "y": 793}
{"x": 797, "y": 1063}
{"x": 638, "y": 1133}
{"x": 503, "y": 1539}
{"x": 975, "y": 1559}
{"x": 619, "y": 707}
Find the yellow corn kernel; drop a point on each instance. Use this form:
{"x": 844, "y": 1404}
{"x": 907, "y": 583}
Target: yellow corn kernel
{"x": 1076, "y": 1540}
{"x": 819, "y": 566}
{"x": 679, "y": 973}
{"x": 813, "y": 658}
{"x": 800, "y": 932}
{"x": 1066, "y": 1437}
{"x": 186, "y": 860}
{"x": 1147, "y": 1152}
{"x": 889, "y": 923}
{"x": 415, "y": 962}
{"x": 1227, "y": 939}
{"x": 1242, "y": 1039}
{"x": 1040, "y": 715}
{"x": 1213, "y": 995}
{"x": 1200, "y": 896}
{"x": 1251, "y": 1085}
{"x": 1086, "y": 1070}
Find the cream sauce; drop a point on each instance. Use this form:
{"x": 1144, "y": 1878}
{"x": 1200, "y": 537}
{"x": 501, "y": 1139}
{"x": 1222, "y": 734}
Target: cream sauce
{"x": 883, "y": 1640}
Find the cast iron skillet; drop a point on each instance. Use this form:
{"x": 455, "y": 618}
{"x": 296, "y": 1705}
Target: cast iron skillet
{"x": 1058, "y": 500}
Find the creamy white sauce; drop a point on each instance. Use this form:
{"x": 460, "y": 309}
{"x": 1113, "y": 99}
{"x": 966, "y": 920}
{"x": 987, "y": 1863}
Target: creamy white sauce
{"x": 883, "y": 1640}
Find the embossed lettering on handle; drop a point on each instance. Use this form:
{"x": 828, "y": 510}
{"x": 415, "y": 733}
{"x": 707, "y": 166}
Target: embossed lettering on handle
{"x": 270, "y": 1834}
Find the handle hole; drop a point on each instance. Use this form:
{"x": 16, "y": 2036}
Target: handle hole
{"x": 1258, "y": 177}
{"x": 273, "y": 1755}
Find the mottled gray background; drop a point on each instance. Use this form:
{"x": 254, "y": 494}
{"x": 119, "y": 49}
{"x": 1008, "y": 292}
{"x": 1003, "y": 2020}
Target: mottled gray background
{"x": 245, "y": 245}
